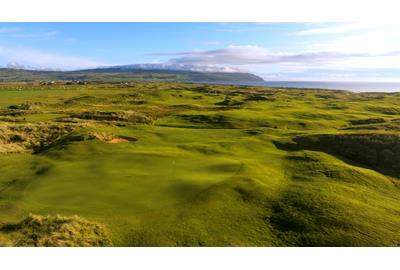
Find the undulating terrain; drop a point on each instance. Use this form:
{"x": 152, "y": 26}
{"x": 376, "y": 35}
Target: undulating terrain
{"x": 169, "y": 164}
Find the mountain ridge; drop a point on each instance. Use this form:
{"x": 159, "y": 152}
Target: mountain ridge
{"x": 115, "y": 74}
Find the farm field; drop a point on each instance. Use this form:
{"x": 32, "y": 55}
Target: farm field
{"x": 175, "y": 164}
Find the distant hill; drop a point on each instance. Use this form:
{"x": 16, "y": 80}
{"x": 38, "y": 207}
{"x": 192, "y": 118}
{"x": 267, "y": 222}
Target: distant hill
{"x": 112, "y": 74}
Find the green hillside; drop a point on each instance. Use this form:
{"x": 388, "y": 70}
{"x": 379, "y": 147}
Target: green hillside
{"x": 170, "y": 164}
{"x": 115, "y": 75}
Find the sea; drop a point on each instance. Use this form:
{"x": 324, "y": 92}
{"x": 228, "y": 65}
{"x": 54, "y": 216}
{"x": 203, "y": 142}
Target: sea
{"x": 349, "y": 86}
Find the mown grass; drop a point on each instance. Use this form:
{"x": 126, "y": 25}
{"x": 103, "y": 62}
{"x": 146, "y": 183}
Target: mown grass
{"x": 215, "y": 165}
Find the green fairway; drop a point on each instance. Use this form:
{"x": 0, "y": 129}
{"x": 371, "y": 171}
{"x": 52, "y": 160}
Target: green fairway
{"x": 168, "y": 164}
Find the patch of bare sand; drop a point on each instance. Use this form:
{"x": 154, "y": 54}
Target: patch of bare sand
{"x": 121, "y": 140}
{"x": 117, "y": 140}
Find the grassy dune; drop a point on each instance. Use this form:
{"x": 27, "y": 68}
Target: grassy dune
{"x": 204, "y": 165}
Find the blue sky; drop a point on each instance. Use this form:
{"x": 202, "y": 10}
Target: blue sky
{"x": 275, "y": 51}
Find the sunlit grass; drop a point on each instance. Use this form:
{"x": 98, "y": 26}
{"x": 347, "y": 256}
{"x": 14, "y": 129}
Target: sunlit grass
{"x": 202, "y": 172}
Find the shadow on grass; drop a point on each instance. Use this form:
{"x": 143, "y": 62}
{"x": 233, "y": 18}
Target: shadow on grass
{"x": 299, "y": 144}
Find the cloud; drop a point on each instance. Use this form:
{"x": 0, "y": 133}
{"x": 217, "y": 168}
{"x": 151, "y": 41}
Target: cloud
{"x": 372, "y": 38}
{"x": 234, "y": 55}
{"x": 35, "y": 35}
{"x": 6, "y": 30}
{"x": 18, "y": 32}
{"x": 373, "y": 45}
{"x": 212, "y": 42}
{"x": 256, "y": 55}
{"x": 343, "y": 28}
{"x": 336, "y": 29}
{"x": 170, "y": 66}
{"x": 372, "y": 41}
{"x": 30, "y": 57}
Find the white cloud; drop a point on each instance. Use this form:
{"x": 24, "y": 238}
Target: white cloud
{"x": 373, "y": 41}
{"x": 343, "y": 28}
{"x": 336, "y": 29}
{"x": 35, "y": 35}
{"x": 17, "y": 32}
{"x": 30, "y": 57}
{"x": 231, "y": 55}
{"x": 6, "y": 30}
{"x": 256, "y": 55}
{"x": 212, "y": 42}
{"x": 234, "y": 55}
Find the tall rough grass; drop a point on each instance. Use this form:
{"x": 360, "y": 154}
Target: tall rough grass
{"x": 54, "y": 231}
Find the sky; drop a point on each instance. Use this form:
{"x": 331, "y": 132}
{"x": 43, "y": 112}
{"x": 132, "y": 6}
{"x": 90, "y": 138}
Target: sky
{"x": 357, "y": 51}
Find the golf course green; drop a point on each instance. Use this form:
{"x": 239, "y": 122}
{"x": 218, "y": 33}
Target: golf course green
{"x": 174, "y": 164}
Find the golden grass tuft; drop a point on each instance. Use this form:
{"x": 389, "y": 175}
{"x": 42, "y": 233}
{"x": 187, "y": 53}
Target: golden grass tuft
{"x": 54, "y": 231}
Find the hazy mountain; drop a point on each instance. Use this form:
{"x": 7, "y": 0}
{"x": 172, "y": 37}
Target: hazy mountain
{"x": 126, "y": 73}
{"x": 15, "y": 65}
